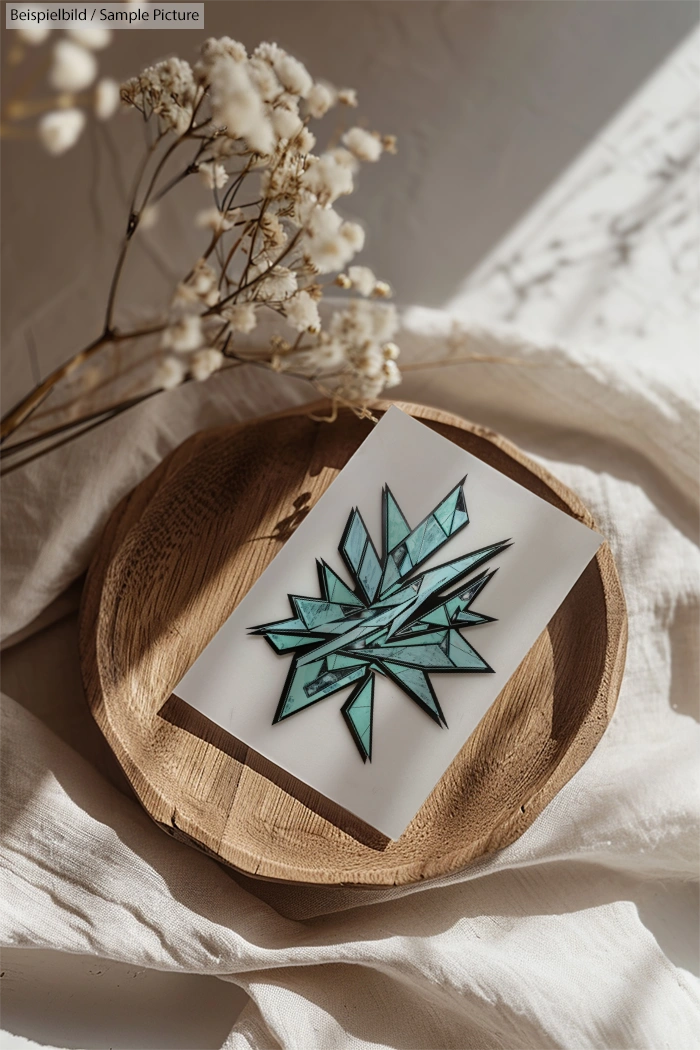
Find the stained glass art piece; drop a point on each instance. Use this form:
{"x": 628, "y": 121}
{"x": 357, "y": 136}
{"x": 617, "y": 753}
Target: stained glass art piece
{"x": 394, "y": 621}
{"x": 395, "y": 625}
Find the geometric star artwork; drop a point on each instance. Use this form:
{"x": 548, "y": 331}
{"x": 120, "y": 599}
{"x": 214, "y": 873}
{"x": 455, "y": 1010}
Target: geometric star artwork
{"x": 394, "y": 621}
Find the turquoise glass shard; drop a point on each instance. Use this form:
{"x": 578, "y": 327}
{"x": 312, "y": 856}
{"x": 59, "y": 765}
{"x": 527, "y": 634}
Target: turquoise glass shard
{"x": 357, "y": 711}
{"x": 396, "y": 528}
{"x": 333, "y": 588}
{"x": 360, "y": 556}
{"x": 406, "y": 549}
{"x": 392, "y": 621}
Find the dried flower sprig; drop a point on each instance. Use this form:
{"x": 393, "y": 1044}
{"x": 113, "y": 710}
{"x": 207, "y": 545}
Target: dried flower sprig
{"x": 274, "y": 241}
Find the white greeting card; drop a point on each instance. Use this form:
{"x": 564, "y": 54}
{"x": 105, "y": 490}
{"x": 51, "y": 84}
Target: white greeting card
{"x": 374, "y": 643}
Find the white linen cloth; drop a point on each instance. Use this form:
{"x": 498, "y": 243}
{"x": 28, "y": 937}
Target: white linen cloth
{"x": 578, "y": 935}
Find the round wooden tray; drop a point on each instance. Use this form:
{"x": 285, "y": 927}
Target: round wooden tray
{"x": 176, "y": 557}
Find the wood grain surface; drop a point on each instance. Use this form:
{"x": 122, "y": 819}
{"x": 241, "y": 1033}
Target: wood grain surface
{"x": 176, "y": 557}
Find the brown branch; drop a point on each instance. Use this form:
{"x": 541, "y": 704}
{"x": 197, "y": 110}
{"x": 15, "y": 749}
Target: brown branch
{"x": 104, "y": 417}
{"x": 24, "y": 408}
{"x": 28, "y": 404}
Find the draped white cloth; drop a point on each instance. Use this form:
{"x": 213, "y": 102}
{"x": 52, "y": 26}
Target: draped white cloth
{"x": 582, "y": 934}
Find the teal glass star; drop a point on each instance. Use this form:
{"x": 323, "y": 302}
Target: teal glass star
{"x": 394, "y": 622}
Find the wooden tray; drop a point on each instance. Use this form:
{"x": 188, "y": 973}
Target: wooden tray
{"x": 177, "y": 556}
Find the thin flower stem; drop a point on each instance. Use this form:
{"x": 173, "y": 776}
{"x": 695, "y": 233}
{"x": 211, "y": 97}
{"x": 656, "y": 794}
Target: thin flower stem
{"x": 229, "y": 257}
{"x": 233, "y": 189}
{"x": 189, "y": 170}
{"x": 132, "y": 223}
{"x": 161, "y": 164}
{"x": 253, "y": 238}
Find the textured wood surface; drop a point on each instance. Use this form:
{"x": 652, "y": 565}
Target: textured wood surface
{"x": 175, "y": 559}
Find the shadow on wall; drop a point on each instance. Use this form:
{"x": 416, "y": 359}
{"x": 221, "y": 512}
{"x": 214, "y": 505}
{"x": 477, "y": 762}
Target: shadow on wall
{"x": 490, "y": 102}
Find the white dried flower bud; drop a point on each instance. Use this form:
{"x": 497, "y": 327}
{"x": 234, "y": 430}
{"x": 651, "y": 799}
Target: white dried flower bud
{"x": 348, "y": 97}
{"x": 362, "y": 324}
{"x": 264, "y": 79}
{"x": 293, "y": 75}
{"x": 371, "y": 362}
{"x": 169, "y": 374}
{"x": 392, "y": 376}
{"x": 391, "y": 351}
{"x": 273, "y": 232}
{"x": 184, "y": 296}
{"x": 309, "y": 362}
{"x": 184, "y": 335}
{"x": 382, "y": 290}
{"x": 215, "y": 220}
{"x": 94, "y": 37}
{"x": 278, "y": 283}
{"x": 205, "y": 362}
{"x": 106, "y": 98}
{"x": 302, "y": 312}
{"x": 331, "y": 356}
{"x": 328, "y": 179}
{"x": 203, "y": 278}
{"x": 73, "y": 67}
{"x": 168, "y": 89}
{"x": 305, "y": 141}
{"x": 237, "y": 106}
{"x": 149, "y": 216}
{"x": 270, "y": 53}
{"x": 343, "y": 281}
{"x": 213, "y": 175}
{"x": 241, "y": 316}
{"x": 363, "y": 144}
{"x": 362, "y": 279}
{"x": 361, "y": 388}
{"x": 200, "y": 286}
{"x": 285, "y": 123}
{"x": 345, "y": 159}
{"x": 222, "y": 147}
{"x": 320, "y": 99}
{"x": 385, "y": 320}
{"x": 61, "y": 129}
{"x": 325, "y": 246}
{"x": 33, "y": 33}
{"x": 354, "y": 235}
{"x": 214, "y": 48}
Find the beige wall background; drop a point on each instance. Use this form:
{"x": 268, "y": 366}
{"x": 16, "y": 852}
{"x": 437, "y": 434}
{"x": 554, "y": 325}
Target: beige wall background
{"x": 490, "y": 100}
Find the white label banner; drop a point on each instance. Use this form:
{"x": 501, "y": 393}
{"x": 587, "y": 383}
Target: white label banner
{"x": 114, "y": 16}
